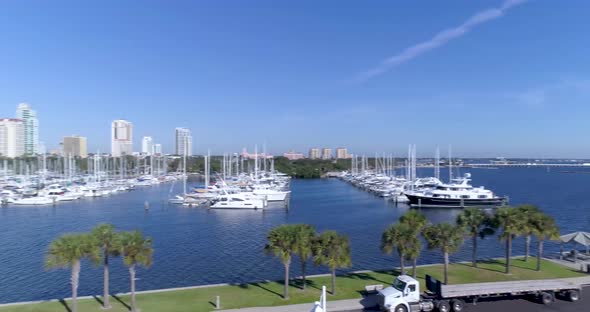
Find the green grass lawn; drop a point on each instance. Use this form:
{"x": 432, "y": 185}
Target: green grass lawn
{"x": 269, "y": 293}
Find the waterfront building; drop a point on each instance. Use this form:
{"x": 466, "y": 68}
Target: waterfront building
{"x": 121, "y": 138}
{"x": 30, "y": 122}
{"x": 291, "y": 155}
{"x": 244, "y": 154}
{"x": 157, "y": 149}
{"x": 75, "y": 146}
{"x": 147, "y": 145}
{"x": 12, "y": 137}
{"x": 326, "y": 153}
{"x": 342, "y": 153}
{"x": 314, "y": 153}
{"x": 184, "y": 142}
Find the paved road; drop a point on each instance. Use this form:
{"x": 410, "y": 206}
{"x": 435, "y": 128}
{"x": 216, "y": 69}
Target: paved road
{"x": 522, "y": 305}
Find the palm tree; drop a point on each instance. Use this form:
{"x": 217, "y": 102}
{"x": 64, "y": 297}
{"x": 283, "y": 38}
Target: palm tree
{"x": 136, "y": 251}
{"x": 67, "y": 251}
{"x": 395, "y": 237}
{"x": 528, "y": 213}
{"x": 476, "y": 224}
{"x": 106, "y": 239}
{"x": 413, "y": 249}
{"x": 509, "y": 220}
{"x": 447, "y": 238}
{"x": 304, "y": 236}
{"x": 333, "y": 250}
{"x": 416, "y": 221}
{"x": 543, "y": 228}
{"x": 281, "y": 243}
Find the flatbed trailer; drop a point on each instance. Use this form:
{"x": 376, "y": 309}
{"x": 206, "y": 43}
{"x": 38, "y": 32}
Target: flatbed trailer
{"x": 514, "y": 288}
{"x": 404, "y": 295}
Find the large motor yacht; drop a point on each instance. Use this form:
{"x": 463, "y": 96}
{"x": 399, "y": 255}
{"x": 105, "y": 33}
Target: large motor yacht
{"x": 458, "y": 194}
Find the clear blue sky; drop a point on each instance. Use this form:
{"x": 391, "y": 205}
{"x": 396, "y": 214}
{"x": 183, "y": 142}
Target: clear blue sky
{"x": 492, "y": 78}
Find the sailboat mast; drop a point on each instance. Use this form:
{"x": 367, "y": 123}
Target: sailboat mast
{"x": 450, "y": 166}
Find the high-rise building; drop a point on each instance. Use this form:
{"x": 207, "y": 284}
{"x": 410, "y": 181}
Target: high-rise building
{"x": 121, "y": 138}
{"x": 314, "y": 153}
{"x": 75, "y": 146}
{"x": 147, "y": 145}
{"x": 157, "y": 150}
{"x": 184, "y": 142}
{"x": 12, "y": 137}
{"x": 342, "y": 153}
{"x": 30, "y": 128}
{"x": 326, "y": 153}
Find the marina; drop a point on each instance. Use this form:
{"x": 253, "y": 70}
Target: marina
{"x": 197, "y": 246}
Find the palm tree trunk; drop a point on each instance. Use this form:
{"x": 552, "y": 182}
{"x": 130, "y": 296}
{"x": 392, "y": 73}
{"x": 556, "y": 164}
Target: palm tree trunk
{"x": 539, "y": 255}
{"x": 74, "y": 279}
{"x": 414, "y": 265}
{"x": 333, "y": 282}
{"x": 105, "y": 296}
{"x": 303, "y": 273}
{"x": 132, "y": 276}
{"x": 508, "y": 253}
{"x": 286, "y": 286}
{"x": 401, "y": 264}
{"x": 446, "y": 255}
{"x": 527, "y": 248}
{"x": 474, "y": 251}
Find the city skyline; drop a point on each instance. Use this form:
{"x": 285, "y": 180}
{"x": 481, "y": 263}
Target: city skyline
{"x": 467, "y": 77}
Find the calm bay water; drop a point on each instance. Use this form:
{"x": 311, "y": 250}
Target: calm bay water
{"x": 195, "y": 246}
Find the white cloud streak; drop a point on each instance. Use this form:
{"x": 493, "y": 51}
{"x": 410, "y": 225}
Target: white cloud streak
{"x": 440, "y": 39}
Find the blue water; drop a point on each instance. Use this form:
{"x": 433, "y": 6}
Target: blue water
{"x": 196, "y": 246}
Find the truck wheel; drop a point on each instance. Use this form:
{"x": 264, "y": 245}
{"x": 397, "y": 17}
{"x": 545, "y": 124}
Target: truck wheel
{"x": 444, "y": 306}
{"x": 573, "y": 295}
{"x": 400, "y": 308}
{"x": 457, "y": 305}
{"x": 547, "y": 298}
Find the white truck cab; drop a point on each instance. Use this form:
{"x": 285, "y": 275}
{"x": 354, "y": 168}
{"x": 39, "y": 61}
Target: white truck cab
{"x": 403, "y": 296}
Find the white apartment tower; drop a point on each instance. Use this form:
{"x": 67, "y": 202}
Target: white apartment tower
{"x": 147, "y": 145}
{"x": 184, "y": 142}
{"x": 314, "y": 153}
{"x": 12, "y": 137}
{"x": 326, "y": 153}
{"x": 158, "y": 149}
{"x": 30, "y": 128}
{"x": 121, "y": 138}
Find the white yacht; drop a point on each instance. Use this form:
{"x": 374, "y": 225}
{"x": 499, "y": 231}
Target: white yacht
{"x": 237, "y": 201}
{"x": 458, "y": 194}
{"x": 37, "y": 200}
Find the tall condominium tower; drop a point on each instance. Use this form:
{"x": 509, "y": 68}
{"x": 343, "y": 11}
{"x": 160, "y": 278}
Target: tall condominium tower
{"x": 326, "y": 153}
{"x": 12, "y": 137}
{"x": 30, "y": 127}
{"x": 314, "y": 153}
{"x": 342, "y": 153}
{"x": 147, "y": 145}
{"x": 121, "y": 138}
{"x": 184, "y": 142}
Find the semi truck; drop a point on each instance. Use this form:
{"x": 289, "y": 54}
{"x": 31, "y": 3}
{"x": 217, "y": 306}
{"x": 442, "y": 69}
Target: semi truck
{"x": 404, "y": 294}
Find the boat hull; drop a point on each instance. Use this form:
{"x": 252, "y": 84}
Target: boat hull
{"x": 431, "y": 202}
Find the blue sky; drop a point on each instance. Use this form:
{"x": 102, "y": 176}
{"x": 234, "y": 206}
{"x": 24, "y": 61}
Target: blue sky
{"x": 492, "y": 78}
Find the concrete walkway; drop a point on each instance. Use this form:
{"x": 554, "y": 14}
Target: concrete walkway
{"x": 333, "y": 306}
